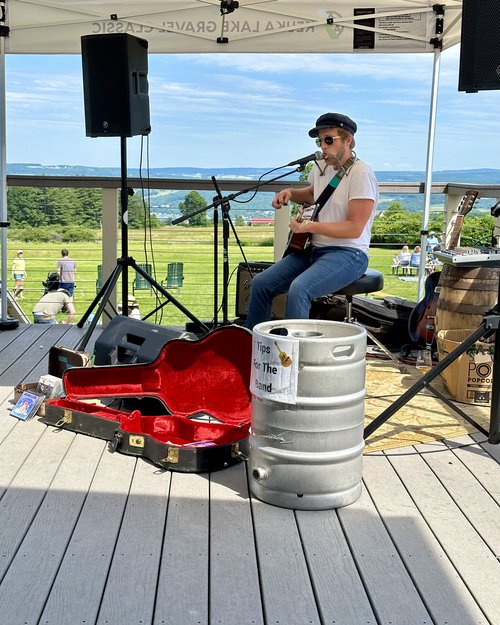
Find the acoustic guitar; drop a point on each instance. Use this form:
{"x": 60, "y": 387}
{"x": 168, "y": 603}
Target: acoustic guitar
{"x": 422, "y": 320}
{"x": 298, "y": 242}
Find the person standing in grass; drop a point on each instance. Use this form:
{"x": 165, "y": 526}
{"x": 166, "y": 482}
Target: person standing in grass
{"x": 19, "y": 273}
{"x": 66, "y": 269}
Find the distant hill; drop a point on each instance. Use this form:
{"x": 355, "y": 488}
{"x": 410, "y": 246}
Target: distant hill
{"x": 165, "y": 203}
{"x": 474, "y": 176}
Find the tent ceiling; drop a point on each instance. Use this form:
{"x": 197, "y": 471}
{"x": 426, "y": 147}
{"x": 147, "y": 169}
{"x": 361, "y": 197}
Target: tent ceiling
{"x": 176, "y": 26}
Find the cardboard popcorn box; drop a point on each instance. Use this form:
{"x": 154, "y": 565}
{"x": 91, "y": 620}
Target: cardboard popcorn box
{"x": 469, "y": 378}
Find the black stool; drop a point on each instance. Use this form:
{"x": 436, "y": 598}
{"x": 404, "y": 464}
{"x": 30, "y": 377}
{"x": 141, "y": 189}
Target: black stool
{"x": 370, "y": 282}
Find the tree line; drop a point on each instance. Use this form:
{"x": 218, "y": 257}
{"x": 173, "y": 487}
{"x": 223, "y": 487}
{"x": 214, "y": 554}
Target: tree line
{"x": 396, "y": 226}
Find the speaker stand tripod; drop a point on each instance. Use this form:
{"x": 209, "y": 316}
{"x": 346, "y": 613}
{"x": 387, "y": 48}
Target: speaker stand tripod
{"x": 121, "y": 269}
{"x": 490, "y": 323}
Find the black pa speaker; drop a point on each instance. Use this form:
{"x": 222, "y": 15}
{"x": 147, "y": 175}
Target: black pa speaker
{"x": 115, "y": 85}
{"x": 125, "y": 340}
{"x": 243, "y": 285}
{"x": 480, "y": 46}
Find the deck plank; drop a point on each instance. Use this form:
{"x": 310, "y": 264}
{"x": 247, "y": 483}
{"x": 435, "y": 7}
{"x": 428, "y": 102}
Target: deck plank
{"x": 472, "y": 558}
{"x": 78, "y": 587}
{"x": 16, "y": 445}
{"x": 233, "y": 563}
{"x": 183, "y": 585}
{"x": 493, "y": 450}
{"x": 286, "y": 585}
{"x": 28, "y": 581}
{"x": 19, "y": 505}
{"x": 7, "y": 336}
{"x": 467, "y": 492}
{"x": 129, "y": 596}
{"x": 338, "y": 587}
{"x": 479, "y": 462}
{"x": 387, "y": 583}
{"x": 446, "y": 596}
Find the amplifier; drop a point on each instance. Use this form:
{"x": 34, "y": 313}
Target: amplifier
{"x": 243, "y": 284}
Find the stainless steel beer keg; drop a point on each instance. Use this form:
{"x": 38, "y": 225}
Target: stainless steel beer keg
{"x": 308, "y": 392}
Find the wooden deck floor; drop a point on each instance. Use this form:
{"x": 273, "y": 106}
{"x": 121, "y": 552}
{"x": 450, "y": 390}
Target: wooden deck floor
{"x": 91, "y": 537}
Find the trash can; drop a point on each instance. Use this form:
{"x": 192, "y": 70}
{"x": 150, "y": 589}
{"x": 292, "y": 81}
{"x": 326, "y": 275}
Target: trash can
{"x": 308, "y": 393}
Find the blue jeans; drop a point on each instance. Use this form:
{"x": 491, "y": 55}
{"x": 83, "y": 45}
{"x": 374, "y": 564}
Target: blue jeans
{"x": 42, "y": 319}
{"x": 69, "y": 286}
{"x": 306, "y": 276}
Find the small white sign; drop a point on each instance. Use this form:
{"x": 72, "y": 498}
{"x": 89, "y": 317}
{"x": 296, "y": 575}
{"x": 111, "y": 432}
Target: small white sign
{"x": 482, "y": 357}
{"x": 275, "y": 368}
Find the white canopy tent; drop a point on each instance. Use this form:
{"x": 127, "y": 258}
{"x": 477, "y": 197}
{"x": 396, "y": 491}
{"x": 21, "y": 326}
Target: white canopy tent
{"x": 212, "y": 26}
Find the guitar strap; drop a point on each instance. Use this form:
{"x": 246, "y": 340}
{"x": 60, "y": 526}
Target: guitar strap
{"x": 332, "y": 185}
{"x": 304, "y": 239}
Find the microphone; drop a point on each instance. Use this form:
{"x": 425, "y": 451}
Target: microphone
{"x": 317, "y": 156}
{"x": 495, "y": 210}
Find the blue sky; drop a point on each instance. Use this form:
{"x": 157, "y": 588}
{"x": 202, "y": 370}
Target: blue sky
{"x": 254, "y": 110}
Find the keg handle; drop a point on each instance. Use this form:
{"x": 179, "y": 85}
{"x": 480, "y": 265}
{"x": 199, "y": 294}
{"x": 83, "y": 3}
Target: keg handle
{"x": 343, "y": 352}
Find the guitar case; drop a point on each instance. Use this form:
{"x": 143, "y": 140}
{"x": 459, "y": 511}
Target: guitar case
{"x": 189, "y": 410}
{"x": 387, "y": 319}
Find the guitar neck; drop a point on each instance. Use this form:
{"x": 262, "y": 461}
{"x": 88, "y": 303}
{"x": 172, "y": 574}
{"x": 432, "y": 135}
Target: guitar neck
{"x": 455, "y": 235}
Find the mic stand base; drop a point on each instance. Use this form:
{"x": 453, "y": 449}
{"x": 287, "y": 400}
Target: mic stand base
{"x": 9, "y": 324}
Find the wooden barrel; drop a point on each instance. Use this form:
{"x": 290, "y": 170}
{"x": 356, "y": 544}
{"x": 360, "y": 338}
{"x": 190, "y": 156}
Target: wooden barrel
{"x": 464, "y": 296}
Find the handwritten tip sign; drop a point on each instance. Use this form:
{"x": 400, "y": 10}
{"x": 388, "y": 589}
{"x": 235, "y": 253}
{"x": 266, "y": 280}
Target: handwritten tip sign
{"x": 275, "y": 368}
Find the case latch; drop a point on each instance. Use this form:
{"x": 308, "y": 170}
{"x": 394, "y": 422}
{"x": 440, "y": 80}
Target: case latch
{"x": 66, "y": 418}
{"x": 172, "y": 456}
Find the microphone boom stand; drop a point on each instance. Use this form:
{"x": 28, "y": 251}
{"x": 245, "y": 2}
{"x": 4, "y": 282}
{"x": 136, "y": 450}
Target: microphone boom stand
{"x": 224, "y": 203}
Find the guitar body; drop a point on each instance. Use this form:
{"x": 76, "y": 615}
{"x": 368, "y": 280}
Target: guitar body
{"x": 298, "y": 242}
{"x": 422, "y": 321}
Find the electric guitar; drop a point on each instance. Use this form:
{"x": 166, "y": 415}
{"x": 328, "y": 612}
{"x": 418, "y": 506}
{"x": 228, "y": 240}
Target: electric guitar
{"x": 298, "y": 242}
{"x": 422, "y": 320}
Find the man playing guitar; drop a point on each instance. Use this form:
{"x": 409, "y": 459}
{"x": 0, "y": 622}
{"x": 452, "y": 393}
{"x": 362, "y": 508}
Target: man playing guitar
{"x": 345, "y": 192}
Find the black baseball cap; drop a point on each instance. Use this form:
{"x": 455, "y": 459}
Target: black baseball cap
{"x": 333, "y": 120}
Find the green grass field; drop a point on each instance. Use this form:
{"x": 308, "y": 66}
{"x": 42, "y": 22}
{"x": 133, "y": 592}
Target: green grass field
{"x": 194, "y": 247}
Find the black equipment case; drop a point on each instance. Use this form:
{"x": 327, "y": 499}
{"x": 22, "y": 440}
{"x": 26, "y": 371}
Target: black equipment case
{"x": 387, "y": 319}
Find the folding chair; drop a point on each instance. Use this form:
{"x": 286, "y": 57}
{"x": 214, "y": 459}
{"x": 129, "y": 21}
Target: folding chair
{"x": 98, "y": 282}
{"x": 175, "y": 276}
{"x": 140, "y": 283}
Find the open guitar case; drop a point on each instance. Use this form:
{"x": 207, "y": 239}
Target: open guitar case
{"x": 387, "y": 319}
{"x": 188, "y": 410}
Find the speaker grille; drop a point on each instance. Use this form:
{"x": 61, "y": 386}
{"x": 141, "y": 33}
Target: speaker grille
{"x": 243, "y": 285}
{"x": 480, "y": 46}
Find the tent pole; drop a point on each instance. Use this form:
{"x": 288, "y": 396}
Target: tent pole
{"x": 6, "y": 323}
{"x": 428, "y": 172}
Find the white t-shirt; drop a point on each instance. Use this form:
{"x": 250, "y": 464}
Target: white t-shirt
{"x": 359, "y": 183}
